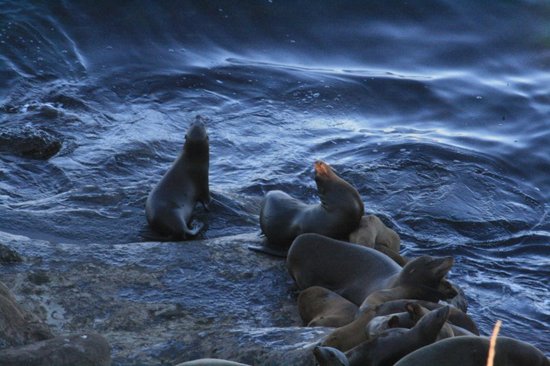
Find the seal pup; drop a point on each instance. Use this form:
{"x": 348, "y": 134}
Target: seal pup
{"x": 170, "y": 204}
{"x": 373, "y": 233}
{"x": 391, "y": 345}
{"x": 283, "y": 218}
{"x": 320, "y": 307}
{"x": 473, "y": 351}
{"x": 356, "y": 272}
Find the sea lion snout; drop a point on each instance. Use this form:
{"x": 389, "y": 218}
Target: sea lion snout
{"x": 322, "y": 169}
{"x": 197, "y": 130}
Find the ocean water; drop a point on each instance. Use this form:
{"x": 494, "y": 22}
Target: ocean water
{"x": 437, "y": 111}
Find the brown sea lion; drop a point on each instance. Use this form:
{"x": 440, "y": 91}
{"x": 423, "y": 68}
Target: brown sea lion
{"x": 389, "y": 346}
{"x": 473, "y": 351}
{"x": 373, "y": 233}
{"x": 349, "y": 336}
{"x": 170, "y": 204}
{"x": 363, "y": 275}
{"x": 320, "y": 307}
{"x": 283, "y": 218}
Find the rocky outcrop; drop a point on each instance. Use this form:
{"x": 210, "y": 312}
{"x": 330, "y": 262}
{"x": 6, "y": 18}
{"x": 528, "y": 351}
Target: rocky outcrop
{"x": 29, "y": 142}
{"x": 82, "y": 350}
{"x": 18, "y": 326}
{"x": 166, "y": 303}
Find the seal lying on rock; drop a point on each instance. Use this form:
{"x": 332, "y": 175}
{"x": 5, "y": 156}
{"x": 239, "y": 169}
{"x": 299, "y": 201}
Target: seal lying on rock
{"x": 320, "y": 307}
{"x": 388, "y": 347}
{"x": 170, "y": 204}
{"x": 473, "y": 351}
{"x": 363, "y": 275}
{"x": 349, "y": 336}
{"x": 373, "y": 233}
{"x": 283, "y": 218}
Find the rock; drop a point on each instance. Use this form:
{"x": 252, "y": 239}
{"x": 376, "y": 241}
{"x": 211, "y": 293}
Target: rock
{"x": 166, "y": 303}
{"x": 83, "y": 350}
{"x": 8, "y": 255}
{"x": 29, "y": 142}
{"x": 18, "y": 326}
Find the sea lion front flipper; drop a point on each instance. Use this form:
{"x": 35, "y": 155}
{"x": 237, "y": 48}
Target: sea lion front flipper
{"x": 397, "y": 258}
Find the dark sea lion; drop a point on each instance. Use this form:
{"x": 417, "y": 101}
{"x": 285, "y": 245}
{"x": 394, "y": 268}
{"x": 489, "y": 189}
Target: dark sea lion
{"x": 357, "y": 273}
{"x": 320, "y": 307}
{"x": 170, "y": 204}
{"x": 391, "y": 345}
{"x": 283, "y": 218}
{"x": 473, "y": 351}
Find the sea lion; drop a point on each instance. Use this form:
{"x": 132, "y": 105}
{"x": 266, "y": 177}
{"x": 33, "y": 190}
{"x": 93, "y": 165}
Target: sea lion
{"x": 283, "y": 218}
{"x": 349, "y": 336}
{"x": 170, "y": 204}
{"x": 320, "y": 307}
{"x": 473, "y": 351}
{"x": 389, "y": 346}
{"x": 373, "y": 233}
{"x": 363, "y": 275}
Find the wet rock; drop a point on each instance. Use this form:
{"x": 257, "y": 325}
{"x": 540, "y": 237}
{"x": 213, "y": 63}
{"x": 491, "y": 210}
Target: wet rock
{"x": 8, "y": 255}
{"x": 29, "y": 142}
{"x": 167, "y": 303}
{"x": 18, "y": 326}
{"x": 39, "y": 277}
{"x": 83, "y": 350}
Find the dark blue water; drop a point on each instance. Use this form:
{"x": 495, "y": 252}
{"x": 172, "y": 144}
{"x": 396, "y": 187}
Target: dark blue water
{"x": 437, "y": 111}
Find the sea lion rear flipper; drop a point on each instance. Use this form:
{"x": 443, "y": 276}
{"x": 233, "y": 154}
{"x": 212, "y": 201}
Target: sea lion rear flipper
{"x": 196, "y": 226}
{"x": 282, "y": 253}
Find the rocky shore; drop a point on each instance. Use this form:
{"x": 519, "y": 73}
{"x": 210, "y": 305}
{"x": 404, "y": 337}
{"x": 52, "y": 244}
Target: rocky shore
{"x": 161, "y": 303}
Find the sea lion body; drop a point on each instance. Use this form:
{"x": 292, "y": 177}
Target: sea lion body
{"x": 349, "y": 336}
{"x": 350, "y": 270}
{"x": 320, "y": 307}
{"x": 473, "y": 351}
{"x": 170, "y": 204}
{"x": 372, "y": 231}
{"x": 393, "y": 344}
{"x": 360, "y": 274}
{"x": 283, "y": 218}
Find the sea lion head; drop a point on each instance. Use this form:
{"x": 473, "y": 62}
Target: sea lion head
{"x": 431, "y": 323}
{"x": 328, "y": 356}
{"x": 196, "y": 139}
{"x": 426, "y": 271}
{"x": 336, "y": 193}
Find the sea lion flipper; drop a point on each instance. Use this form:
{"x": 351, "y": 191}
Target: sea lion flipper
{"x": 266, "y": 249}
{"x": 196, "y": 226}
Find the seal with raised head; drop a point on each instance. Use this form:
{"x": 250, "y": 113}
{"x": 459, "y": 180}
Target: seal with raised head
{"x": 283, "y": 218}
{"x": 390, "y": 346}
{"x": 320, "y": 307}
{"x": 363, "y": 275}
{"x": 171, "y": 203}
{"x": 473, "y": 351}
